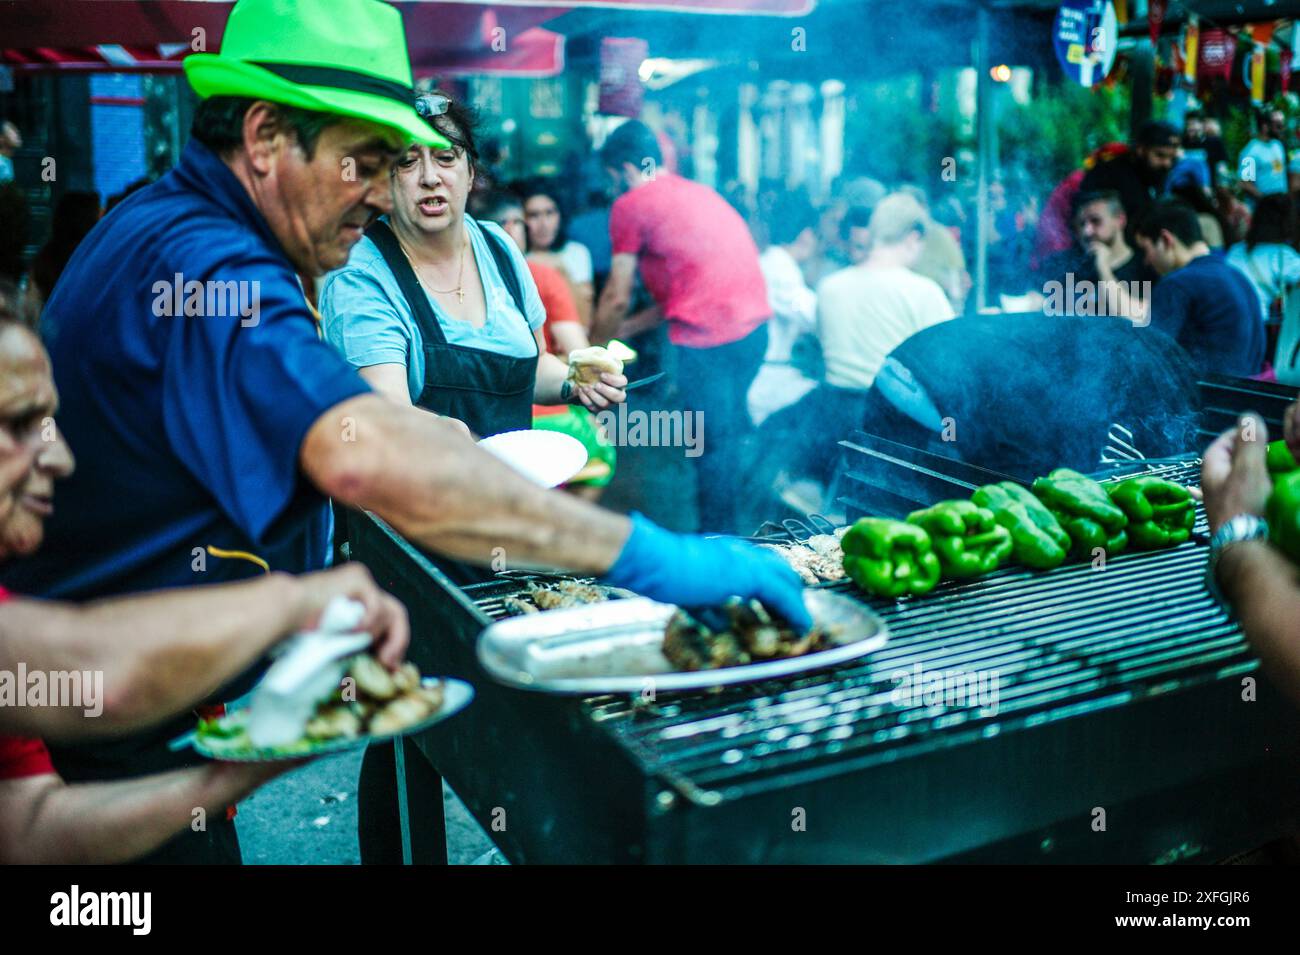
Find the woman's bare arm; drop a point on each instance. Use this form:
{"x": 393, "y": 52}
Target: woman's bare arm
{"x": 44, "y": 820}
{"x": 159, "y": 653}
{"x": 389, "y": 380}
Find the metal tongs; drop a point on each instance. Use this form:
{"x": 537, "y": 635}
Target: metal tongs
{"x": 817, "y": 525}
{"x": 1119, "y": 446}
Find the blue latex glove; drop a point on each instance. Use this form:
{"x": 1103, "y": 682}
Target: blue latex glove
{"x": 693, "y": 571}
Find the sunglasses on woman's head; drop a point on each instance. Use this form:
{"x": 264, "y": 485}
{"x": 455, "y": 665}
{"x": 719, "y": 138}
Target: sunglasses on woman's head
{"x": 429, "y": 105}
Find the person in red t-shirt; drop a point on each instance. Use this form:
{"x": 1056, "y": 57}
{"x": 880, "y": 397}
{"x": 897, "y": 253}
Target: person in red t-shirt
{"x": 699, "y": 262}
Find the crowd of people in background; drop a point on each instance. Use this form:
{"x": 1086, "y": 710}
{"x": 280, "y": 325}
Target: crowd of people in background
{"x": 1165, "y": 231}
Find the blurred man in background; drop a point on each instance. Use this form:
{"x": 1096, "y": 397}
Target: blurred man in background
{"x": 866, "y": 311}
{"x": 781, "y": 382}
{"x": 1262, "y": 164}
{"x": 1100, "y": 254}
{"x": 1138, "y": 174}
{"x": 698, "y": 259}
{"x": 1201, "y": 301}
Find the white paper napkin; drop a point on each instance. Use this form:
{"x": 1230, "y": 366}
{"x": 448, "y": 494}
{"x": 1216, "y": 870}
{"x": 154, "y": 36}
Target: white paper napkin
{"x": 307, "y": 667}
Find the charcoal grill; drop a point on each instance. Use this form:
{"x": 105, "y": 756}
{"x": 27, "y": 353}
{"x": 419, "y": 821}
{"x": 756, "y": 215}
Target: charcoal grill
{"x": 1121, "y": 731}
{"x": 1119, "y": 692}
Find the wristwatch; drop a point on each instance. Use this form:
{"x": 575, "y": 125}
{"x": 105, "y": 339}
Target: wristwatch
{"x": 1235, "y": 530}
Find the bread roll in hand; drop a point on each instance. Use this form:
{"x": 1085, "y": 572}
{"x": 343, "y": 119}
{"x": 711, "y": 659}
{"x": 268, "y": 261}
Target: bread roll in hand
{"x": 586, "y": 365}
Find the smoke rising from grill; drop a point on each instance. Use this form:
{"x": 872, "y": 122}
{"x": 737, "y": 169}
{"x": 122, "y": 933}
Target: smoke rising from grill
{"x": 1032, "y": 393}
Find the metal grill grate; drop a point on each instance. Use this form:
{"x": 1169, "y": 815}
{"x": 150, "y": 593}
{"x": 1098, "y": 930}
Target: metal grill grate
{"x": 1049, "y": 645}
{"x": 1052, "y": 645}
{"x": 1055, "y": 645}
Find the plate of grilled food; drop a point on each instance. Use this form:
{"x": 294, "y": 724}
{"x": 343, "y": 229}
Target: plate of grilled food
{"x": 547, "y": 594}
{"x": 635, "y": 644}
{"x": 817, "y": 560}
{"x": 368, "y": 703}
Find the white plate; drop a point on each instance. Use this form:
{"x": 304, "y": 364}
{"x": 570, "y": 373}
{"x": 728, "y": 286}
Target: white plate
{"x": 547, "y": 458}
{"x": 457, "y": 695}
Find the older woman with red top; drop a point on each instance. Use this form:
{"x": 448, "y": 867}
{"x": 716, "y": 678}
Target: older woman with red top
{"x": 147, "y": 657}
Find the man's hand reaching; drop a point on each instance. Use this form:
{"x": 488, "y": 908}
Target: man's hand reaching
{"x": 1234, "y": 472}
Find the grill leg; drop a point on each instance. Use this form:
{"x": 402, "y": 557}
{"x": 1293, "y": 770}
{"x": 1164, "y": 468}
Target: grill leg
{"x": 420, "y": 808}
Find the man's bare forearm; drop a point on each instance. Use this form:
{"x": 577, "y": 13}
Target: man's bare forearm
{"x": 1264, "y": 589}
{"x": 438, "y": 489}
{"x": 610, "y": 312}
{"x": 158, "y": 652}
{"x": 640, "y": 322}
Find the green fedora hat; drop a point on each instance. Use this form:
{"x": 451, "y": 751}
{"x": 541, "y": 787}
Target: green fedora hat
{"x": 332, "y": 56}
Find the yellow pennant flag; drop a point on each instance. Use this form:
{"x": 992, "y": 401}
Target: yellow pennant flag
{"x": 1192, "y": 38}
{"x": 1257, "y": 75}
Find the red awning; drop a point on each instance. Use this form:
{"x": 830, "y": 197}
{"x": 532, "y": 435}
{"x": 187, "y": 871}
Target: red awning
{"x": 430, "y": 24}
{"x": 156, "y": 34}
{"x": 534, "y": 52}
{"x": 444, "y": 36}
{"x": 103, "y": 58}
{"x": 780, "y": 8}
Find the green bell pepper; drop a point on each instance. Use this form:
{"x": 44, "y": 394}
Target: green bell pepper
{"x": 967, "y": 538}
{"x": 889, "y": 558}
{"x": 1085, "y": 512}
{"x": 1280, "y": 458}
{"x": 1037, "y": 539}
{"x": 1160, "y": 513}
{"x": 1283, "y": 514}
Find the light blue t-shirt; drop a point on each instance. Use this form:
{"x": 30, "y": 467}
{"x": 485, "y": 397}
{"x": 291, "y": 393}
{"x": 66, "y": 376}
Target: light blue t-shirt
{"x": 1263, "y": 162}
{"x": 366, "y": 317}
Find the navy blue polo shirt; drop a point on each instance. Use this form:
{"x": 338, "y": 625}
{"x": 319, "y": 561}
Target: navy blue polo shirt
{"x": 1212, "y": 310}
{"x": 189, "y": 371}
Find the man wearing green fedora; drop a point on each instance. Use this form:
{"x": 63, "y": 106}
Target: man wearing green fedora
{"x": 211, "y": 420}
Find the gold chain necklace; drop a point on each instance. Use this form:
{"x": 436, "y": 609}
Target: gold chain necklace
{"x": 460, "y": 273}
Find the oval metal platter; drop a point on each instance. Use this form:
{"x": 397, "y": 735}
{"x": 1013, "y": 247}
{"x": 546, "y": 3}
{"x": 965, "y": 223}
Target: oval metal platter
{"x": 616, "y": 647}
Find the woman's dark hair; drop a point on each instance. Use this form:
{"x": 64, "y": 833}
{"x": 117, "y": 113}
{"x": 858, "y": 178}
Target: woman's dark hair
{"x": 550, "y": 189}
{"x": 1273, "y": 222}
{"x": 128, "y": 190}
{"x": 219, "y": 123}
{"x": 457, "y": 122}
{"x": 493, "y": 204}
